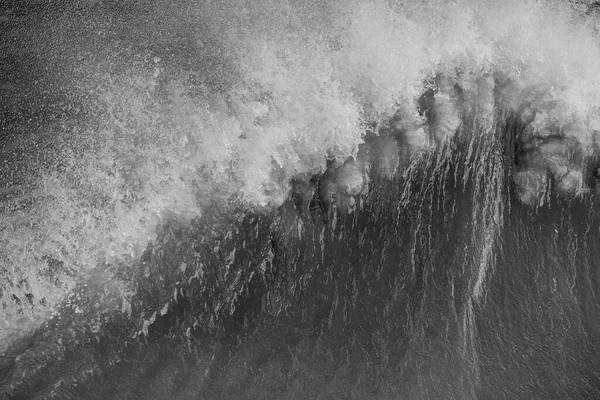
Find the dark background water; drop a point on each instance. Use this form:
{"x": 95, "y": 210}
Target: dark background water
{"x": 378, "y": 306}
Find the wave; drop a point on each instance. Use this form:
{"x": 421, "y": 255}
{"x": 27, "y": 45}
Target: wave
{"x": 301, "y": 199}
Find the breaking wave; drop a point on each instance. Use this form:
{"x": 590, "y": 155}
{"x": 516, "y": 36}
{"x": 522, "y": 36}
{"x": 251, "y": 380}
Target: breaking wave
{"x": 299, "y": 199}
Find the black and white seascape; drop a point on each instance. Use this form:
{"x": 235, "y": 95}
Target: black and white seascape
{"x": 299, "y": 199}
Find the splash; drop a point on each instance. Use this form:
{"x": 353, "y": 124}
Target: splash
{"x": 183, "y": 109}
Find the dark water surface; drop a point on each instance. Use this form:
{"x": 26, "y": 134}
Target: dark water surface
{"x": 378, "y": 307}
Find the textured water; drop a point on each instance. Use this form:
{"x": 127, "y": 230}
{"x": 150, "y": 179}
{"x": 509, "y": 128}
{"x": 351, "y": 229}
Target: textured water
{"x": 301, "y": 199}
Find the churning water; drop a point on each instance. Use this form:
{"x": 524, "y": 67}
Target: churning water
{"x": 299, "y": 199}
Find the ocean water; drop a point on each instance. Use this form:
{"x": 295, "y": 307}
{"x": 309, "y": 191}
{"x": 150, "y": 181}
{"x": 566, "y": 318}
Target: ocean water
{"x": 299, "y": 199}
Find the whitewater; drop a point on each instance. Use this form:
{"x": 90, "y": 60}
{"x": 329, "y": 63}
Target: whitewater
{"x": 299, "y": 199}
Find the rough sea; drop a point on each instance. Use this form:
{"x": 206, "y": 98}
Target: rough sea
{"x": 299, "y": 199}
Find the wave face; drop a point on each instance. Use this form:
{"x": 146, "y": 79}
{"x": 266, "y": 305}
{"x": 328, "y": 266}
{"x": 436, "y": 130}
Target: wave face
{"x": 299, "y": 199}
